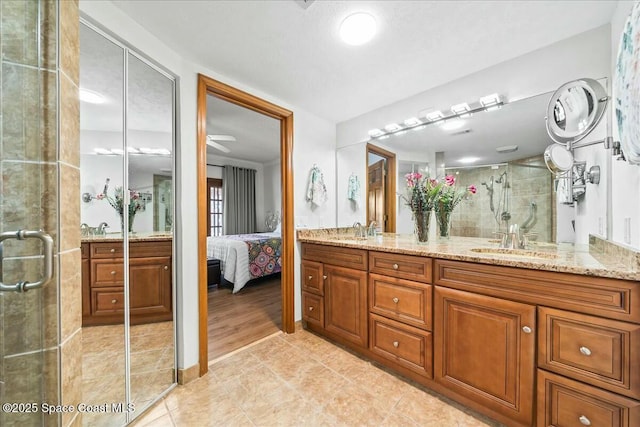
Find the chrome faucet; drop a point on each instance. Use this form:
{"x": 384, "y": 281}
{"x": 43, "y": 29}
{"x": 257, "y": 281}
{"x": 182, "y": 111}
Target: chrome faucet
{"x": 361, "y": 231}
{"x": 371, "y": 230}
{"x": 514, "y": 239}
{"x": 101, "y": 229}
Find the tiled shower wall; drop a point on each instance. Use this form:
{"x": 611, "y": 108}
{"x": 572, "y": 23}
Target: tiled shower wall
{"x": 40, "y": 334}
{"x": 528, "y": 181}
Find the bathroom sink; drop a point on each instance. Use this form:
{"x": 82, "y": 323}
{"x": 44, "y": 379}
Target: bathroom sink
{"x": 524, "y": 253}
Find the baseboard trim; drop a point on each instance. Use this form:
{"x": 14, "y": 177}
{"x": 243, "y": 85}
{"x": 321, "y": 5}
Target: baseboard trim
{"x": 185, "y": 376}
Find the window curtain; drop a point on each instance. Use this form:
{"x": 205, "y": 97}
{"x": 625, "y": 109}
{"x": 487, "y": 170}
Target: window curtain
{"x": 239, "y": 197}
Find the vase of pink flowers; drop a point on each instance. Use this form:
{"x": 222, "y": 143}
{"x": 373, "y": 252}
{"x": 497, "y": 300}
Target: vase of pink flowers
{"x": 420, "y": 196}
{"x": 447, "y": 199}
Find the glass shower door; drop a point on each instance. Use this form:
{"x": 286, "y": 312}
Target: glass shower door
{"x": 28, "y": 204}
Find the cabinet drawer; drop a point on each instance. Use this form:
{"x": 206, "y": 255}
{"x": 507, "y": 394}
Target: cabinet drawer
{"x": 599, "y": 296}
{"x": 343, "y": 257}
{"x": 107, "y": 301}
{"x": 106, "y": 250}
{"x": 598, "y": 351}
{"x": 107, "y": 273}
{"x": 156, "y": 248}
{"x": 409, "y": 347}
{"x": 401, "y": 266}
{"x": 564, "y": 402}
{"x": 312, "y": 277}
{"x": 402, "y": 300}
{"x": 313, "y": 309}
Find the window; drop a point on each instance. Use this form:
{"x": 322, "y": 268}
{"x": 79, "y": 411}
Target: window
{"x": 214, "y": 216}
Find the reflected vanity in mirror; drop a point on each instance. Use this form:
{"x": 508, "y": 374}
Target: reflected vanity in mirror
{"x": 127, "y": 140}
{"x": 501, "y": 152}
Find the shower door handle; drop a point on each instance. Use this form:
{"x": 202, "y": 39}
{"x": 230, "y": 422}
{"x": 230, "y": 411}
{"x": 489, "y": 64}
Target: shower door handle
{"x": 47, "y": 245}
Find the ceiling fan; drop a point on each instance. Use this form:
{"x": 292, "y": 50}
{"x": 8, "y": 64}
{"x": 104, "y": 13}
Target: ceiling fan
{"x": 215, "y": 140}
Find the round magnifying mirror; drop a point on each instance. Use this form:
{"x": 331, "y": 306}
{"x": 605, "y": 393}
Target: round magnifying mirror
{"x": 558, "y": 159}
{"x": 575, "y": 109}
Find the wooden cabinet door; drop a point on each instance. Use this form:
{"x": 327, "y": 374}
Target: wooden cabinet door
{"x": 345, "y": 303}
{"x": 485, "y": 351}
{"x": 150, "y": 289}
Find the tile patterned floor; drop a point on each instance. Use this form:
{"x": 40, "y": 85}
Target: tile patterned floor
{"x": 152, "y": 360}
{"x": 303, "y": 380}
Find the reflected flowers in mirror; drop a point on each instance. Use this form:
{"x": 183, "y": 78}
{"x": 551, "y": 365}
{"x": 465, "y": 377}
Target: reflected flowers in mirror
{"x": 136, "y": 203}
{"x": 447, "y": 199}
{"x": 420, "y": 195}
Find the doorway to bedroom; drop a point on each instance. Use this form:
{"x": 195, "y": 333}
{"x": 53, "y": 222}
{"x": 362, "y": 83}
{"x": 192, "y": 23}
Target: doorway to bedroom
{"x": 245, "y": 246}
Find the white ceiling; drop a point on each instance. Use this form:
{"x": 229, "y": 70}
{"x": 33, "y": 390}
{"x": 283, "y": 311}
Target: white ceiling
{"x": 257, "y": 136}
{"x": 295, "y": 54}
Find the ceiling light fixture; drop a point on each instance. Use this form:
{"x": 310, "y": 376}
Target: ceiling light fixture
{"x": 491, "y": 102}
{"x": 468, "y": 160}
{"x": 91, "y": 97}
{"x": 461, "y": 110}
{"x": 374, "y": 133}
{"x": 392, "y": 127}
{"x": 358, "y": 28}
{"x": 452, "y": 124}
{"x": 435, "y": 116}
{"x": 217, "y": 146}
{"x": 507, "y": 149}
{"x": 412, "y": 121}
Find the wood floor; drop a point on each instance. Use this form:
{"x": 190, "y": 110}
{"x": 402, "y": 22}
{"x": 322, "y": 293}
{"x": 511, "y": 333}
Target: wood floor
{"x": 236, "y": 320}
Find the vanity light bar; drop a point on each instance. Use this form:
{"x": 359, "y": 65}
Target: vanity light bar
{"x": 487, "y": 103}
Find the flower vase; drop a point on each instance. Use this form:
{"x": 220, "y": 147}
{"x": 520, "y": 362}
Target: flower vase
{"x": 421, "y": 225}
{"x": 130, "y": 227}
{"x": 443, "y": 218}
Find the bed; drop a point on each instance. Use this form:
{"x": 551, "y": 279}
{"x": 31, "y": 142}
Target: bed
{"x": 244, "y": 257}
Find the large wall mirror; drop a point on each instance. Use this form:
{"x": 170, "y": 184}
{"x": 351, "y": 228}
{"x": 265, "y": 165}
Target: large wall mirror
{"x": 127, "y": 142}
{"x": 501, "y": 153}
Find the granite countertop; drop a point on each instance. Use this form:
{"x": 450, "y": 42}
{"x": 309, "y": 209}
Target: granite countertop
{"x": 135, "y": 237}
{"x": 566, "y": 258}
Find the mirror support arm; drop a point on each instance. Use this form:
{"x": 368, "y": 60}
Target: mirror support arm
{"x": 608, "y": 143}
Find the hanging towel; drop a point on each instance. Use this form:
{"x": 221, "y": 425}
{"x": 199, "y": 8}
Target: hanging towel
{"x": 316, "y": 191}
{"x": 353, "y": 189}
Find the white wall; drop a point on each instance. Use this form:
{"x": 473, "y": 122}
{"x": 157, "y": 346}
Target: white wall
{"x": 314, "y": 141}
{"x": 625, "y": 178}
{"x": 272, "y": 188}
{"x": 541, "y": 71}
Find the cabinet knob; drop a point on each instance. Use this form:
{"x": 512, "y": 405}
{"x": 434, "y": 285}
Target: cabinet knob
{"x": 395, "y": 300}
{"x": 395, "y": 266}
{"x": 526, "y": 329}
{"x": 585, "y": 351}
{"x": 396, "y": 344}
{"x": 324, "y": 277}
{"x": 113, "y": 272}
{"x": 584, "y": 420}
{"x": 309, "y": 278}
{"x": 112, "y": 250}
{"x": 311, "y": 308}
{"x": 113, "y": 301}
{"x": 166, "y": 267}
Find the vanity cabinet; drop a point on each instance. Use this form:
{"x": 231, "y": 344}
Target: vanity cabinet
{"x": 150, "y": 298}
{"x": 334, "y": 292}
{"x": 485, "y": 351}
{"x": 525, "y": 347}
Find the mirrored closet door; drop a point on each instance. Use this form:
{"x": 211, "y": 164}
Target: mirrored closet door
{"x": 127, "y": 142}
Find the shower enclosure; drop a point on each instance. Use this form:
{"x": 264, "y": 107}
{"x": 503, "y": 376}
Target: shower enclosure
{"x": 518, "y": 192}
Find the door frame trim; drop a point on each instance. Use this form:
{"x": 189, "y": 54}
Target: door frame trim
{"x": 209, "y": 86}
{"x": 390, "y": 185}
